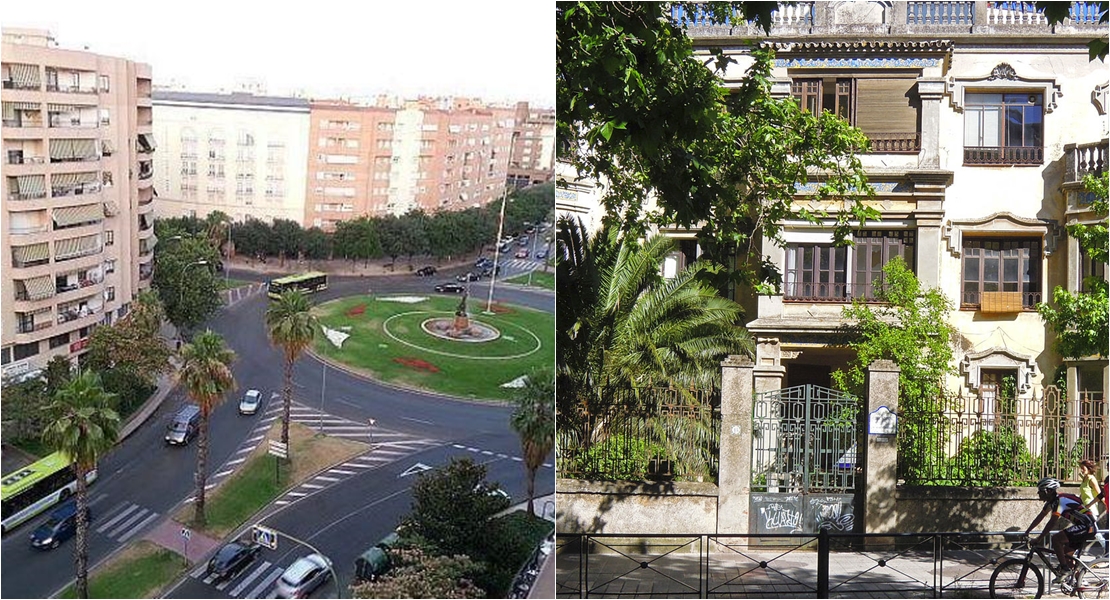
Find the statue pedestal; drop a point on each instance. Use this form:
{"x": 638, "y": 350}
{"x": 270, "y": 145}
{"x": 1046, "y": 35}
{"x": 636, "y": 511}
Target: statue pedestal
{"x": 462, "y": 323}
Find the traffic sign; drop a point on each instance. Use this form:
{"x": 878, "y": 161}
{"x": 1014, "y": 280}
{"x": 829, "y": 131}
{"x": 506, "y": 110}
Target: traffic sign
{"x": 185, "y": 533}
{"x": 264, "y": 536}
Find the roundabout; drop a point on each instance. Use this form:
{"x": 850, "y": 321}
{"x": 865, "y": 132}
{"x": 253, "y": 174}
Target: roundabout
{"x": 423, "y": 342}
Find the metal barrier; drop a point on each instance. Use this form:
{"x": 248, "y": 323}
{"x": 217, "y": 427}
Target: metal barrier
{"x": 823, "y": 565}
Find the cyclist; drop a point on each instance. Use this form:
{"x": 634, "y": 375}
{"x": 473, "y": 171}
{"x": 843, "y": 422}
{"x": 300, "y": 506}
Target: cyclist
{"x": 1068, "y": 506}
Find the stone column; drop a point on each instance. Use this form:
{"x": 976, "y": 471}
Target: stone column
{"x": 880, "y": 452}
{"x": 735, "y": 470}
{"x": 931, "y": 92}
{"x": 1071, "y": 424}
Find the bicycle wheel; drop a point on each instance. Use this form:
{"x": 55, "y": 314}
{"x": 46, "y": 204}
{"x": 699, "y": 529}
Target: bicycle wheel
{"x": 1017, "y": 578}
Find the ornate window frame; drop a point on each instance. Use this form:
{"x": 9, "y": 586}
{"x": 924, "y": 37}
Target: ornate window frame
{"x": 1003, "y": 77}
{"x": 997, "y": 358}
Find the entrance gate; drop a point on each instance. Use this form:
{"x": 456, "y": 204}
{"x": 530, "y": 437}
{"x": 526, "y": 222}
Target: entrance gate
{"x": 803, "y": 460}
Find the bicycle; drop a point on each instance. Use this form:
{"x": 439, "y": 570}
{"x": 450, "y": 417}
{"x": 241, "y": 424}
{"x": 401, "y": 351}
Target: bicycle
{"x": 1021, "y": 578}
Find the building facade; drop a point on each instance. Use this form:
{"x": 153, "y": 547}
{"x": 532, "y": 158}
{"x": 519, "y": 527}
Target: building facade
{"x": 983, "y": 120}
{"x": 238, "y": 153}
{"x": 78, "y": 197}
{"x": 533, "y": 158}
{"x": 390, "y": 158}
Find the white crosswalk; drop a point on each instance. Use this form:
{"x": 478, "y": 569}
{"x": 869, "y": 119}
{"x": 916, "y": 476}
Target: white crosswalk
{"x": 236, "y": 295}
{"x": 124, "y": 521}
{"x": 254, "y": 581}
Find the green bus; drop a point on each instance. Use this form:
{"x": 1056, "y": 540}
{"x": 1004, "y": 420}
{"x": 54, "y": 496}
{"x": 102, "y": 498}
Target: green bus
{"x": 36, "y": 487}
{"x": 304, "y": 283}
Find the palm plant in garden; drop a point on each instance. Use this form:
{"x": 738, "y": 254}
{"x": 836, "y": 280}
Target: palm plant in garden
{"x": 292, "y": 326}
{"x": 207, "y": 377}
{"x": 623, "y": 326}
{"x": 83, "y": 426}
{"x": 534, "y": 421}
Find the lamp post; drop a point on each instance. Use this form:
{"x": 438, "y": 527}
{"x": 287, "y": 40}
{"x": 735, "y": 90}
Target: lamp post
{"x": 500, "y": 232}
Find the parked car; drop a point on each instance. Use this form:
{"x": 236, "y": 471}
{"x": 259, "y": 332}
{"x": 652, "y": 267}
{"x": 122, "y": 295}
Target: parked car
{"x": 450, "y": 288}
{"x": 522, "y": 253}
{"x": 427, "y": 271}
{"x": 61, "y": 526}
{"x": 541, "y": 253}
{"x": 249, "y": 404}
{"x": 530, "y": 229}
{"x": 468, "y": 276}
{"x": 483, "y": 262}
{"x": 232, "y": 558}
{"x": 303, "y": 576}
{"x": 506, "y": 246}
{"x": 523, "y": 241}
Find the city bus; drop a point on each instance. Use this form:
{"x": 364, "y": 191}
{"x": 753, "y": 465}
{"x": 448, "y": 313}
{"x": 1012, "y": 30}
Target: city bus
{"x": 304, "y": 283}
{"x": 36, "y": 487}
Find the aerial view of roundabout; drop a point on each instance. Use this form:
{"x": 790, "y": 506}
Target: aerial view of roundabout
{"x": 436, "y": 344}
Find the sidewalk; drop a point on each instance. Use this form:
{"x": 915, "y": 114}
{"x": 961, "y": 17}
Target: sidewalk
{"x": 168, "y": 535}
{"x": 376, "y": 267}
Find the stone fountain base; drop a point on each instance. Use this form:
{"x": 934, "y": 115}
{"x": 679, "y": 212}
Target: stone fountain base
{"x": 460, "y": 329}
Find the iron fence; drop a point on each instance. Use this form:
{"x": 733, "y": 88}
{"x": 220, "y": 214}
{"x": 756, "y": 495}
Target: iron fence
{"x": 990, "y": 440}
{"x": 822, "y": 565}
{"x": 644, "y": 433}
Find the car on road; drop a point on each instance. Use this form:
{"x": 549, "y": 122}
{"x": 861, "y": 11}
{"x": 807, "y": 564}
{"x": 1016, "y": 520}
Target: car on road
{"x": 506, "y": 247}
{"x": 184, "y": 425}
{"x": 522, "y": 253}
{"x": 61, "y": 526}
{"x": 523, "y": 241}
{"x": 483, "y": 262}
{"x": 541, "y": 253}
{"x": 303, "y": 576}
{"x": 249, "y": 404}
{"x": 468, "y": 276}
{"x": 231, "y": 559}
{"x": 450, "y": 288}
{"x": 490, "y": 271}
{"x": 427, "y": 271}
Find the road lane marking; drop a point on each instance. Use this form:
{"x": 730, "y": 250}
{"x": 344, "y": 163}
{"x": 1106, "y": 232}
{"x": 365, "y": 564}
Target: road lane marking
{"x": 324, "y": 478}
{"x": 137, "y": 528}
{"x": 222, "y": 473}
{"x": 487, "y": 452}
{"x": 265, "y": 582}
{"x": 242, "y": 450}
{"x": 459, "y": 446}
{"x": 518, "y": 459}
{"x": 117, "y": 518}
{"x": 254, "y": 575}
{"x": 341, "y": 472}
{"x": 130, "y": 521}
{"x": 312, "y": 486}
{"x": 297, "y": 494}
{"x": 200, "y": 571}
{"x": 210, "y": 579}
{"x": 255, "y": 439}
{"x": 236, "y": 461}
{"x": 282, "y": 502}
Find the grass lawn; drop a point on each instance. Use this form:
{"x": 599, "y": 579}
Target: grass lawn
{"x": 254, "y": 486}
{"x": 140, "y": 571}
{"x": 386, "y": 341}
{"x": 539, "y": 279}
{"x": 526, "y": 533}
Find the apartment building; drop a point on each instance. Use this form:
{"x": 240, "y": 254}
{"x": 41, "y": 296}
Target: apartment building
{"x": 238, "y": 153}
{"x": 78, "y": 196}
{"x": 390, "y": 158}
{"x": 533, "y": 158}
{"x": 983, "y": 120}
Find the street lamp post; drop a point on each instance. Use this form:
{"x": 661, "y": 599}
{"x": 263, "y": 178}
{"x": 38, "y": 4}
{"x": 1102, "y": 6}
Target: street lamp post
{"x": 500, "y": 232}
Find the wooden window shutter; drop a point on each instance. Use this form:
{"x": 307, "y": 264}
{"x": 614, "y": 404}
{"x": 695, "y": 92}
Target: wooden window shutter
{"x": 886, "y": 105}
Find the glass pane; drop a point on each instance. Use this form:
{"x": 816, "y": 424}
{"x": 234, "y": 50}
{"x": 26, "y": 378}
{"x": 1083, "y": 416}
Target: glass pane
{"x": 989, "y": 286}
{"x": 978, "y": 99}
{"x": 824, "y": 259}
{"x": 973, "y": 125}
{"x": 990, "y": 269}
{"x": 971, "y": 268}
{"x": 992, "y": 119}
{"x": 1014, "y": 125}
{"x": 1010, "y": 269}
{"x": 1033, "y": 127}
{"x": 841, "y": 259}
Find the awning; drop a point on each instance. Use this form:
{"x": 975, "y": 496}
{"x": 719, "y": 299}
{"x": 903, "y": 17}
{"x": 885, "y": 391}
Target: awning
{"x": 72, "y": 215}
{"x": 39, "y": 287}
{"x": 65, "y": 108}
{"x": 32, "y": 253}
{"x": 146, "y": 142}
{"x": 74, "y": 247}
{"x": 85, "y": 148}
{"x": 107, "y": 147}
{"x": 31, "y": 185}
{"x": 67, "y": 179}
{"x": 111, "y": 209}
{"x": 25, "y": 75}
{"x": 11, "y": 107}
{"x": 64, "y": 149}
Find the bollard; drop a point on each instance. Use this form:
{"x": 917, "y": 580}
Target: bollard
{"x": 823, "y": 563}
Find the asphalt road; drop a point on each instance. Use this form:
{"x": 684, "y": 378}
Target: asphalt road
{"x": 143, "y": 480}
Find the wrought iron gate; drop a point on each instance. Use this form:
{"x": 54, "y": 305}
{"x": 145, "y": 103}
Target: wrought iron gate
{"x": 803, "y": 460}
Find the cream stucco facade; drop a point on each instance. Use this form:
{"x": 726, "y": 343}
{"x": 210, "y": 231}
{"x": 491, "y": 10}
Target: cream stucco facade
{"x": 238, "y": 153}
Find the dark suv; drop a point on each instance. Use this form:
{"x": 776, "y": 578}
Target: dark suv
{"x": 426, "y": 271}
{"x": 232, "y": 558}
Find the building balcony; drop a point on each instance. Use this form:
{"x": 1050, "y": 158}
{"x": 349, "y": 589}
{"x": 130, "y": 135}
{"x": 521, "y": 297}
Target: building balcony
{"x": 829, "y": 293}
{"x": 23, "y": 122}
{"x": 18, "y": 159}
{"x": 1000, "y": 302}
{"x": 1081, "y": 159}
{"x": 895, "y": 143}
{"x": 81, "y": 189}
{"x": 33, "y": 327}
{"x": 9, "y": 84}
{"x": 87, "y": 314}
{"x": 1003, "y": 156}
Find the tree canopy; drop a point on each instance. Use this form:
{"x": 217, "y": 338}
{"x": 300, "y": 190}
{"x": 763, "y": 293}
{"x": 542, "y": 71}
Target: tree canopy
{"x": 184, "y": 277}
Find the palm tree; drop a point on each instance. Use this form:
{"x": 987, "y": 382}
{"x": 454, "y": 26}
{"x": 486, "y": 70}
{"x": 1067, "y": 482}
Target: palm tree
{"x": 207, "y": 377}
{"x": 534, "y": 421}
{"x": 292, "y": 326}
{"x": 83, "y": 426}
{"x": 622, "y": 326}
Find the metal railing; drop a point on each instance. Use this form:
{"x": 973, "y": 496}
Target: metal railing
{"x": 974, "y": 300}
{"x": 836, "y": 293}
{"x": 649, "y": 433}
{"x": 990, "y": 440}
{"x": 822, "y": 565}
{"x": 895, "y": 143}
{"x": 1003, "y": 155}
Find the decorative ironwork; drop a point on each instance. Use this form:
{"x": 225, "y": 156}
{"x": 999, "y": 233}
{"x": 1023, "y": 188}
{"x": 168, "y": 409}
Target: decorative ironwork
{"x": 989, "y": 440}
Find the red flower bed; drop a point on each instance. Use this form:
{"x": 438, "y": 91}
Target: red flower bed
{"x": 355, "y": 311}
{"x": 417, "y": 364}
{"x": 499, "y": 309}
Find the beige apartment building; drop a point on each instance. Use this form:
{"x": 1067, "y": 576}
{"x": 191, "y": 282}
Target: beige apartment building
{"x": 239, "y": 153}
{"x": 430, "y": 154}
{"x": 78, "y": 197}
{"x": 533, "y": 158}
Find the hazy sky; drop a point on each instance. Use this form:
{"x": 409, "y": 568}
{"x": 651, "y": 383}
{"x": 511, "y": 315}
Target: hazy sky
{"x": 497, "y": 50}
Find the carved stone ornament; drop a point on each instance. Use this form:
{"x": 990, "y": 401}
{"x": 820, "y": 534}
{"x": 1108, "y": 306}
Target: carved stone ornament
{"x": 1002, "y": 71}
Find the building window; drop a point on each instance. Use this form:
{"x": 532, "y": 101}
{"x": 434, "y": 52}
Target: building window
{"x": 886, "y": 109}
{"x": 109, "y": 266}
{"x": 23, "y": 351}
{"x": 1089, "y": 268}
{"x": 1000, "y": 275}
{"x": 103, "y": 81}
{"x": 59, "y": 340}
{"x": 6, "y": 355}
{"x": 1004, "y": 129}
{"x": 821, "y": 272}
{"x": 109, "y": 237}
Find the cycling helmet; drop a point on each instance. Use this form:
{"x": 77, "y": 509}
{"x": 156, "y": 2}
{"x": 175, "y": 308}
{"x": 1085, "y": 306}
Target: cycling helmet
{"x": 1048, "y": 483}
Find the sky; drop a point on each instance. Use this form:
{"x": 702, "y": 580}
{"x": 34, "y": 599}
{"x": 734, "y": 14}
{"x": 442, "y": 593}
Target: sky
{"x": 495, "y": 50}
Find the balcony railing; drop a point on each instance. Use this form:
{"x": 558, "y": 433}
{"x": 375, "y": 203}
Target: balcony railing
{"x": 28, "y": 230}
{"x": 1081, "y": 159}
{"x": 16, "y": 159}
{"x": 23, "y": 122}
{"x": 833, "y": 293}
{"x": 26, "y": 195}
{"x": 1000, "y": 302}
{"x": 940, "y": 13}
{"x": 895, "y": 143}
{"x": 74, "y": 190}
{"x": 77, "y": 123}
{"x": 32, "y": 327}
{"x": 19, "y": 85}
{"x": 1003, "y": 156}
{"x": 65, "y": 315}
{"x": 70, "y": 89}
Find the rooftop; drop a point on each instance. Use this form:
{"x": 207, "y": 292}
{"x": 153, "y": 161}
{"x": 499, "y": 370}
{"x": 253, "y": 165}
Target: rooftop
{"x": 236, "y": 98}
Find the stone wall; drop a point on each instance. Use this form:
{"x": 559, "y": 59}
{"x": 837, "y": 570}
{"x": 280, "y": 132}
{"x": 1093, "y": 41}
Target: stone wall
{"x": 926, "y": 509}
{"x": 628, "y": 507}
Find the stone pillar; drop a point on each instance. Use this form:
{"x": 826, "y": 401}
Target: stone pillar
{"x": 735, "y": 470}
{"x": 931, "y": 92}
{"x": 769, "y": 377}
{"x": 1071, "y": 427}
{"x": 880, "y": 452}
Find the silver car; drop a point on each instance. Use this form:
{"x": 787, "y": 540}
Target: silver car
{"x": 303, "y": 576}
{"x": 249, "y": 404}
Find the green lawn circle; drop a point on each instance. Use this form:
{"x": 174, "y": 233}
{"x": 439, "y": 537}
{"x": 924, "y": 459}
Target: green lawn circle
{"x": 385, "y": 329}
